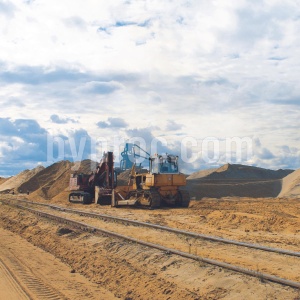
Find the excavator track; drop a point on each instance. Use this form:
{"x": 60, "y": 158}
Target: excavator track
{"x": 80, "y": 197}
{"x": 146, "y": 198}
{"x": 185, "y": 198}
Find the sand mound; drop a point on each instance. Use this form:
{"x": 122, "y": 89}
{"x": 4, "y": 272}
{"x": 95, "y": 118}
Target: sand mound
{"x": 202, "y": 173}
{"x": 2, "y": 180}
{"x": 219, "y": 189}
{"x": 49, "y": 181}
{"x": 236, "y": 180}
{"x": 17, "y": 181}
{"x": 124, "y": 176}
{"x": 235, "y": 171}
{"x": 291, "y": 185}
{"x": 54, "y": 182}
{"x": 86, "y": 166}
{"x": 54, "y": 179}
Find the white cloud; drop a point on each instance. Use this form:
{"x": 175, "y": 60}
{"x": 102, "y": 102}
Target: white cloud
{"x": 206, "y": 68}
{"x": 100, "y": 87}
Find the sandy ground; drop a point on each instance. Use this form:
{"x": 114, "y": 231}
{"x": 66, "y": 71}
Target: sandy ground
{"x": 42, "y": 260}
{"x": 28, "y": 272}
{"x": 134, "y": 272}
{"x": 271, "y": 221}
{"x": 9, "y": 287}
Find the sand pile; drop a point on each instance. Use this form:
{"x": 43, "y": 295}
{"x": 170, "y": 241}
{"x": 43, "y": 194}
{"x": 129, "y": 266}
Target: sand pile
{"x": 291, "y": 185}
{"x": 124, "y": 177}
{"x": 86, "y": 166}
{"x": 236, "y": 180}
{"x": 17, "y": 181}
{"x": 235, "y": 171}
{"x": 53, "y": 180}
{"x": 2, "y": 180}
{"x": 50, "y": 181}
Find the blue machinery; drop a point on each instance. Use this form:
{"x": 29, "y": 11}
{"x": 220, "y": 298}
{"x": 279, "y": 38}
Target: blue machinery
{"x": 158, "y": 164}
{"x": 129, "y": 156}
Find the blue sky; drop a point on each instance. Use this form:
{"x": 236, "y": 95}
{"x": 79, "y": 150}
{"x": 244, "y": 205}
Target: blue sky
{"x": 89, "y": 73}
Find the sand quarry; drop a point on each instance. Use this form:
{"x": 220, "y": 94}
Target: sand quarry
{"x": 40, "y": 259}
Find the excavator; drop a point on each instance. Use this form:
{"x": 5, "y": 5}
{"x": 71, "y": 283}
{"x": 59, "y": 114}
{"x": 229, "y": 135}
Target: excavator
{"x": 98, "y": 185}
{"x": 160, "y": 185}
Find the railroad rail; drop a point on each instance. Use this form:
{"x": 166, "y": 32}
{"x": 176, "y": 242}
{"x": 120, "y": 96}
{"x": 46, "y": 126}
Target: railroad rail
{"x": 165, "y": 228}
{"x": 99, "y": 231}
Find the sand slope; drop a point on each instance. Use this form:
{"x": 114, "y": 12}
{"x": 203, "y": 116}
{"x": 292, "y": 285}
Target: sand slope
{"x": 54, "y": 179}
{"x": 50, "y": 181}
{"x": 46, "y": 183}
{"x": 236, "y": 171}
{"x": 2, "y": 180}
{"x": 291, "y": 185}
{"x": 86, "y": 166}
{"x": 16, "y": 181}
{"x": 236, "y": 180}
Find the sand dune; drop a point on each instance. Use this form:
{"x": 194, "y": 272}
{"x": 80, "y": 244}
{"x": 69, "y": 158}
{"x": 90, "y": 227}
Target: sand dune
{"x": 291, "y": 185}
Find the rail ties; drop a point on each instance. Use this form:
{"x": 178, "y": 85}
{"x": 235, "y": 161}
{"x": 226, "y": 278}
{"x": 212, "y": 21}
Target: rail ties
{"x": 165, "y": 228}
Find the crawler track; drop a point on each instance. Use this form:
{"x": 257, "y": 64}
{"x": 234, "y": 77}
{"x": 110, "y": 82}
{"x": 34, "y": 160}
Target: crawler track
{"x": 28, "y": 281}
{"x": 96, "y": 230}
{"x": 12, "y": 283}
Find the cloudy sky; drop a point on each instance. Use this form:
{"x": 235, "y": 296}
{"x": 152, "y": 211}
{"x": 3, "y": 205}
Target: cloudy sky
{"x": 80, "y": 77}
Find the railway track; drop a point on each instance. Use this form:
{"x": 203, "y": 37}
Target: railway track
{"x": 97, "y": 230}
{"x": 163, "y": 228}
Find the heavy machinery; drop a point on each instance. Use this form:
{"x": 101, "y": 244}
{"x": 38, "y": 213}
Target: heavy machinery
{"x": 135, "y": 186}
{"x": 81, "y": 190}
{"x": 130, "y": 154}
{"x": 160, "y": 186}
{"x": 99, "y": 185}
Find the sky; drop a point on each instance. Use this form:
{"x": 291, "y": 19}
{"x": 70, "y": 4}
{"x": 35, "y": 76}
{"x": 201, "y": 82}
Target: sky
{"x": 213, "y": 82}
